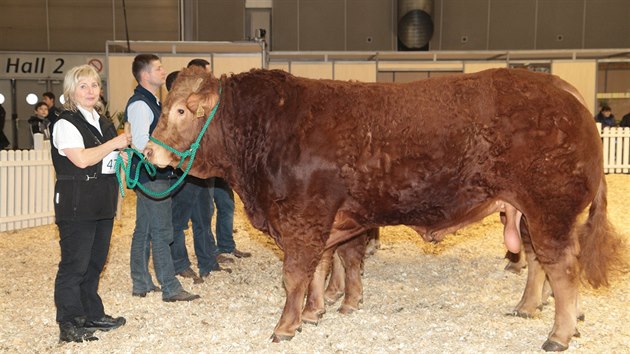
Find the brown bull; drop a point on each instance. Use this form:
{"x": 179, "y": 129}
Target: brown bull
{"x": 317, "y": 162}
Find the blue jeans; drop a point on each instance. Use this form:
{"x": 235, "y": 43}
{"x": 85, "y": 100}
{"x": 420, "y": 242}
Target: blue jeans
{"x": 192, "y": 201}
{"x": 224, "y": 200}
{"x": 154, "y": 231}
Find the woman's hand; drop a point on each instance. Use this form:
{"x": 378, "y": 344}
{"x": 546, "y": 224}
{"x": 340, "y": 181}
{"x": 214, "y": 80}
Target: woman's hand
{"x": 122, "y": 141}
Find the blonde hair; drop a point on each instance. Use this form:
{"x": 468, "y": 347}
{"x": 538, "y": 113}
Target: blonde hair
{"x": 71, "y": 81}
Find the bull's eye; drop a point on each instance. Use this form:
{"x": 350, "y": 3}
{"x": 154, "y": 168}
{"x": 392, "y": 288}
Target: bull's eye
{"x": 180, "y": 111}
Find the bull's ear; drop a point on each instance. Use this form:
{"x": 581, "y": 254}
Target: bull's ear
{"x": 201, "y": 104}
{"x": 197, "y": 85}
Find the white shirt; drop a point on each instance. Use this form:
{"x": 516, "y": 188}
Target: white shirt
{"x": 140, "y": 117}
{"x": 67, "y": 136}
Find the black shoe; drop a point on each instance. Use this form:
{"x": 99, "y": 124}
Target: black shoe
{"x": 105, "y": 323}
{"x": 143, "y": 294}
{"x": 70, "y": 332}
{"x": 241, "y": 254}
{"x": 182, "y": 296}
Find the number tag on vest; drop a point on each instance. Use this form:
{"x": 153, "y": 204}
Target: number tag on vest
{"x": 109, "y": 162}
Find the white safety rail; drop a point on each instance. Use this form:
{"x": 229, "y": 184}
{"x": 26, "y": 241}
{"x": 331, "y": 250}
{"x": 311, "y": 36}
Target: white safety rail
{"x": 616, "y": 143}
{"x": 27, "y": 182}
{"x": 27, "y": 179}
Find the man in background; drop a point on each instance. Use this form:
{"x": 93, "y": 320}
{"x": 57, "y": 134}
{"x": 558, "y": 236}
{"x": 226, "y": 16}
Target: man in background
{"x": 223, "y": 197}
{"x": 53, "y": 111}
{"x": 154, "y": 227}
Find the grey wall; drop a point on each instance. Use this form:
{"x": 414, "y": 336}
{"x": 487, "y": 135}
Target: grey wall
{"x": 346, "y": 25}
{"x": 219, "y": 20}
{"x": 531, "y": 24}
{"x": 305, "y": 25}
{"x": 83, "y": 26}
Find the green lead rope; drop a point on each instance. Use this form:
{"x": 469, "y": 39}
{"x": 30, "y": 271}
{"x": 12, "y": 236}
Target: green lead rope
{"x": 132, "y": 181}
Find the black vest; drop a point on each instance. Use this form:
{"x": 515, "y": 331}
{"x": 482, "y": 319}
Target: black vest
{"x": 142, "y": 94}
{"x": 84, "y": 193}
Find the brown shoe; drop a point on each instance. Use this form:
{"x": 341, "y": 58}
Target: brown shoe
{"x": 217, "y": 269}
{"x": 188, "y": 273}
{"x": 183, "y": 295}
{"x": 241, "y": 254}
{"x": 222, "y": 258}
{"x": 143, "y": 294}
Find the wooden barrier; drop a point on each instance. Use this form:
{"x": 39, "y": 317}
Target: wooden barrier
{"x": 27, "y": 181}
{"x": 616, "y": 143}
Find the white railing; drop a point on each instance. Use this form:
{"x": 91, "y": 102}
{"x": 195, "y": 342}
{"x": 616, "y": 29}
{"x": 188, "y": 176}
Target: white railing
{"x": 616, "y": 143}
{"x": 27, "y": 182}
{"x": 27, "y": 179}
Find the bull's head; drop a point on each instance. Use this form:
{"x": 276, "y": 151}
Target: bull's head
{"x": 191, "y": 99}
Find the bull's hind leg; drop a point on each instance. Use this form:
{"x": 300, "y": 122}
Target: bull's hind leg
{"x": 315, "y": 307}
{"x": 532, "y": 295}
{"x": 563, "y": 278}
{"x": 300, "y": 260}
{"x": 556, "y": 247}
{"x": 352, "y": 253}
{"x": 516, "y": 261}
{"x": 336, "y": 282}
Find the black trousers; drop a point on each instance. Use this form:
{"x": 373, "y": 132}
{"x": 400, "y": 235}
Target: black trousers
{"x": 84, "y": 247}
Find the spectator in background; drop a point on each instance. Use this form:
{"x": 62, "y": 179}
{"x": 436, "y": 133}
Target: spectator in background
{"x": 625, "y": 121}
{"x": 53, "y": 111}
{"x": 605, "y": 117}
{"x": 4, "y": 141}
{"x": 192, "y": 201}
{"x": 39, "y": 122}
{"x": 223, "y": 197}
{"x": 153, "y": 233}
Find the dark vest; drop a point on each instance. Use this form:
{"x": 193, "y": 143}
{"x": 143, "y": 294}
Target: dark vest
{"x": 142, "y": 94}
{"x": 84, "y": 193}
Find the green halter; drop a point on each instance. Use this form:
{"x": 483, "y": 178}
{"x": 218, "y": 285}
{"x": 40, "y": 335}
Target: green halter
{"x": 150, "y": 168}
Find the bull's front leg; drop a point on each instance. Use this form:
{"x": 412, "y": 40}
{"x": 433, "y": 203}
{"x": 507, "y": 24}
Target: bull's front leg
{"x": 352, "y": 253}
{"x": 315, "y": 307}
{"x": 336, "y": 281}
{"x": 301, "y": 256}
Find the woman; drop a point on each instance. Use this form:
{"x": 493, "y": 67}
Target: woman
{"x": 84, "y": 152}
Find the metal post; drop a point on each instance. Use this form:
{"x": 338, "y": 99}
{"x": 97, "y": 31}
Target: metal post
{"x": 14, "y": 115}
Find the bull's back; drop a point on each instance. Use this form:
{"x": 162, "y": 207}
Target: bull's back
{"x": 435, "y": 148}
{"x": 431, "y": 149}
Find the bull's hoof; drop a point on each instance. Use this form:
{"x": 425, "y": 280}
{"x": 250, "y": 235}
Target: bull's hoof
{"x": 277, "y": 338}
{"x": 312, "y": 316}
{"x": 519, "y": 313}
{"x": 551, "y": 346}
{"x": 577, "y": 334}
{"x": 310, "y": 321}
{"x": 346, "y": 310}
{"x": 580, "y": 317}
{"x": 514, "y": 267}
{"x": 330, "y": 299}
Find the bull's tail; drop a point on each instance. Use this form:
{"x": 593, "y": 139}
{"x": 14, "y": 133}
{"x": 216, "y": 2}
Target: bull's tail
{"x": 601, "y": 248}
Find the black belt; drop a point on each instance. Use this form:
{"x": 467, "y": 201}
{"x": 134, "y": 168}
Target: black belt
{"x": 76, "y": 177}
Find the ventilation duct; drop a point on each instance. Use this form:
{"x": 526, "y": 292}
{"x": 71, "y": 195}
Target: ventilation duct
{"x": 415, "y": 24}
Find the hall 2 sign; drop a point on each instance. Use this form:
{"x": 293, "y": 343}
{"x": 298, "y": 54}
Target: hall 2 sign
{"x": 34, "y": 66}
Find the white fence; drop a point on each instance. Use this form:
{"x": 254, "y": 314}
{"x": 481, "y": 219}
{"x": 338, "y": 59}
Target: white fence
{"x": 616, "y": 150}
{"x": 27, "y": 183}
{"x": 27, "y": 179}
